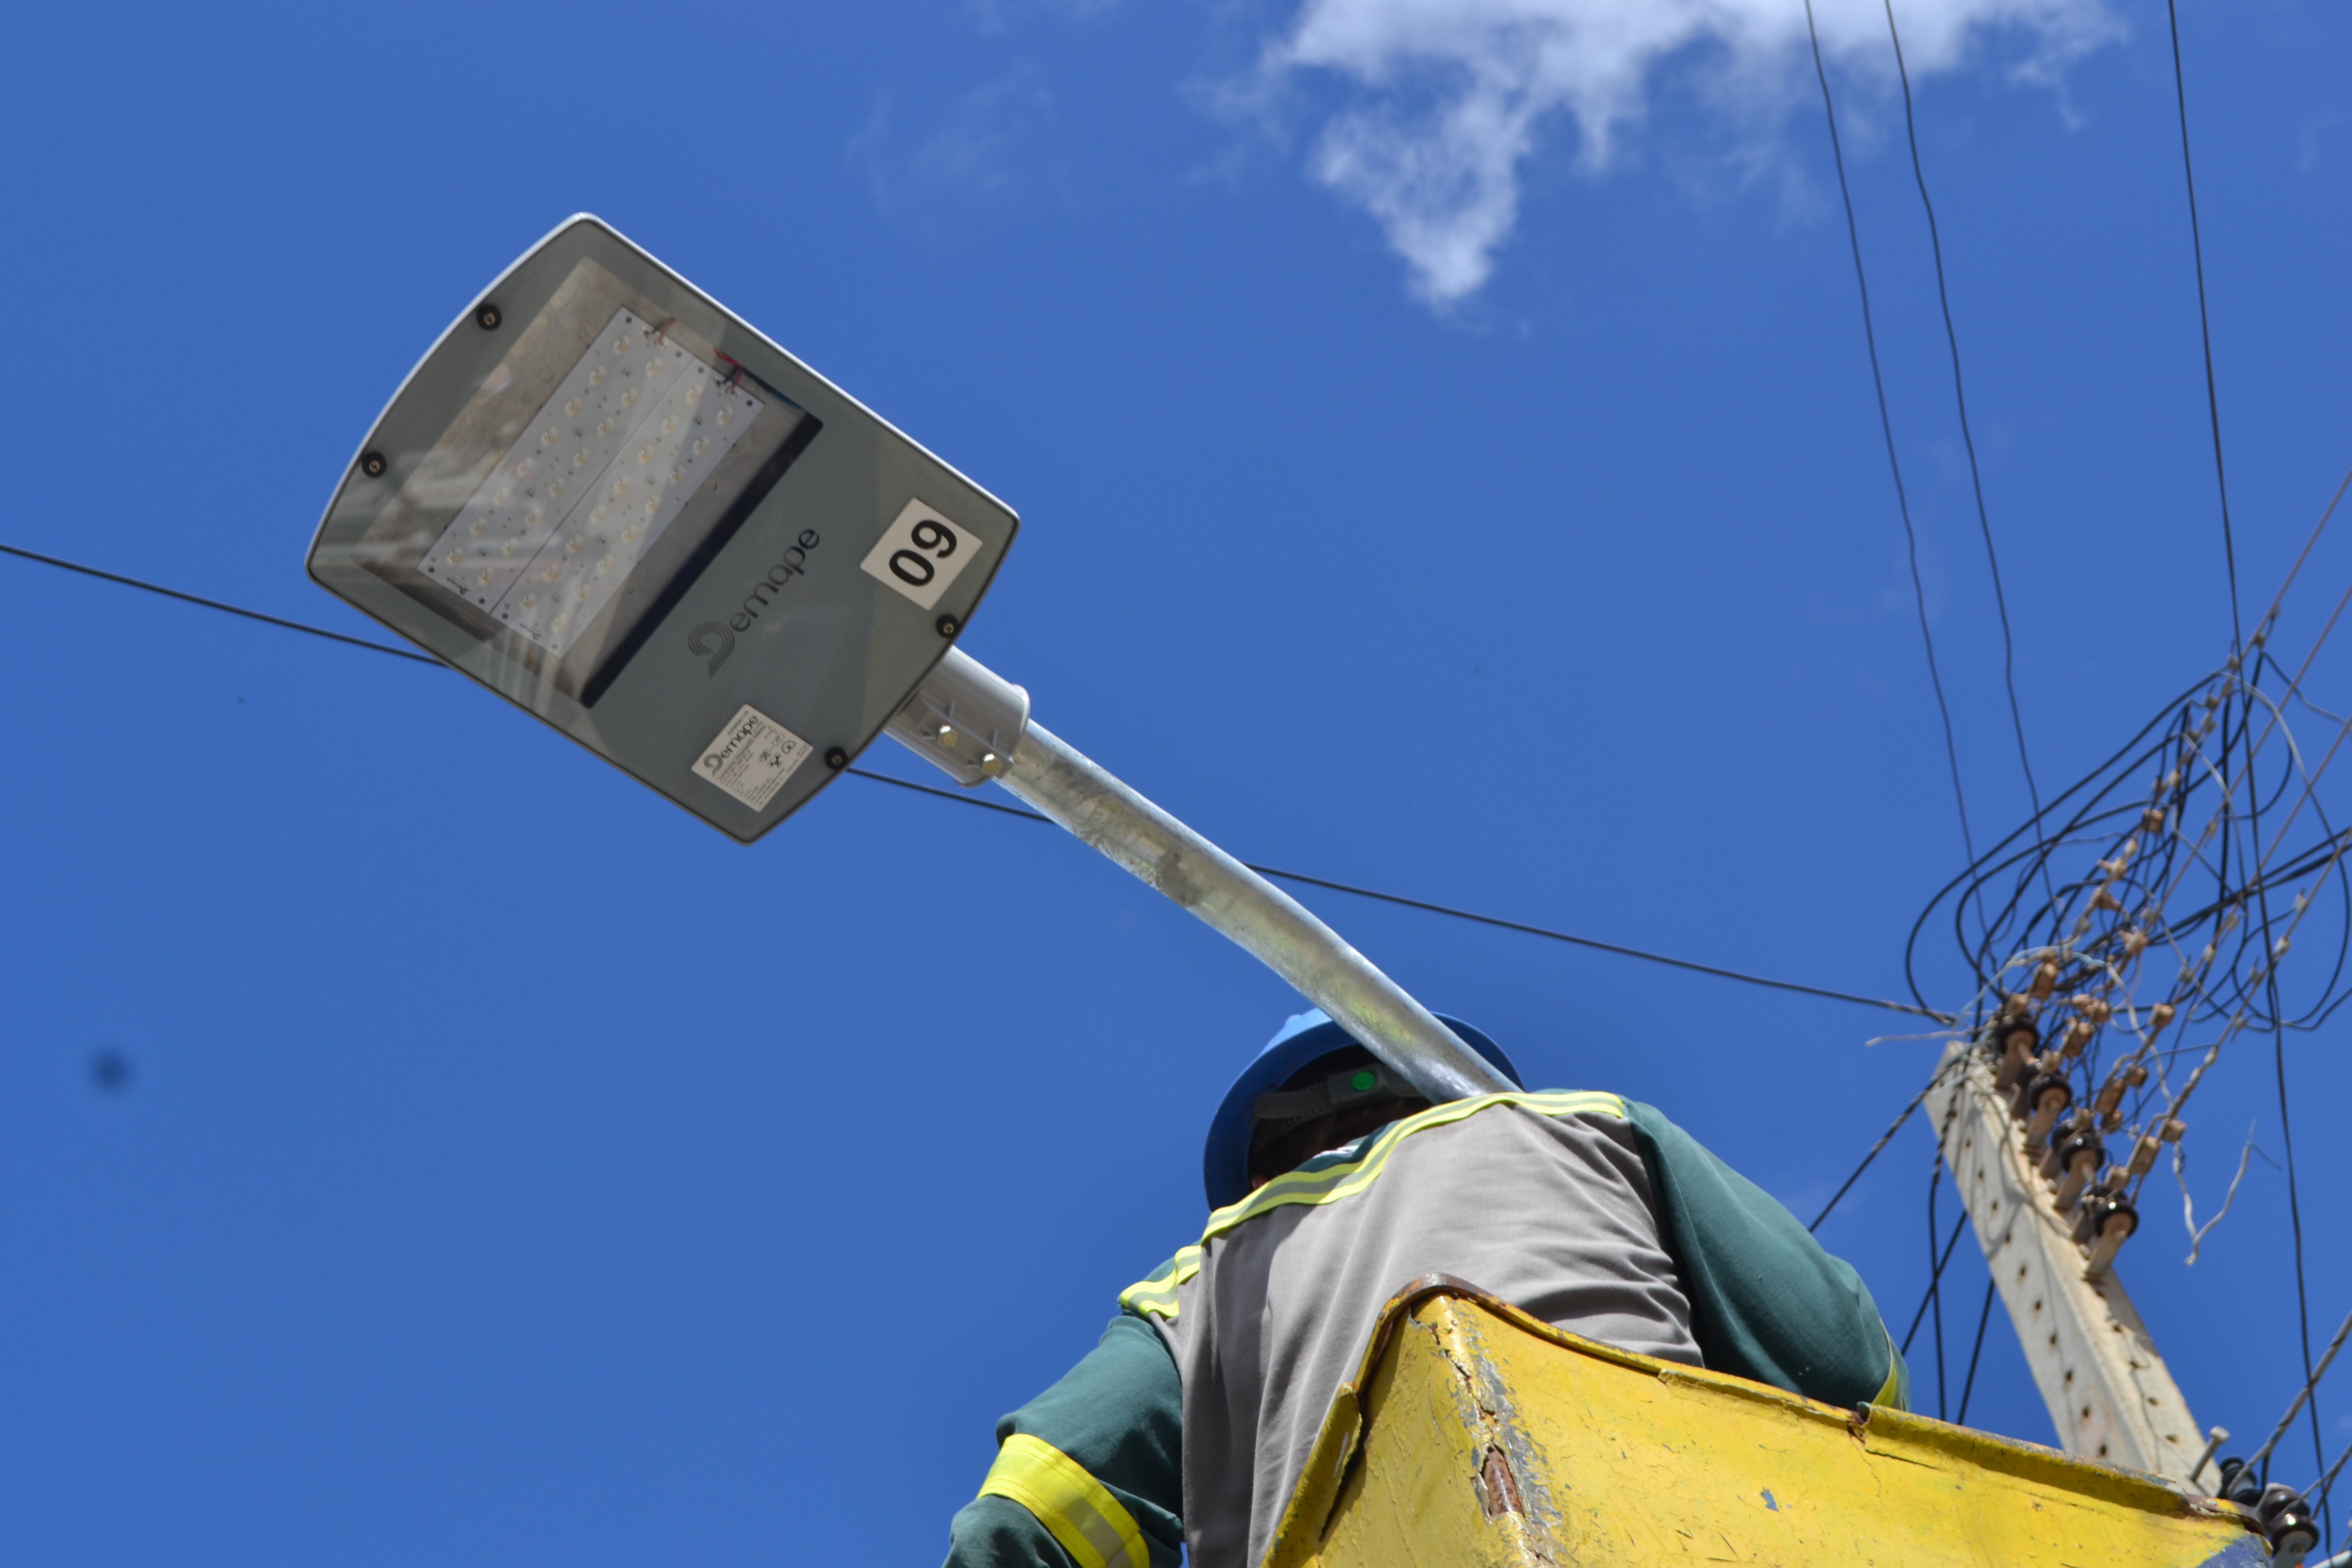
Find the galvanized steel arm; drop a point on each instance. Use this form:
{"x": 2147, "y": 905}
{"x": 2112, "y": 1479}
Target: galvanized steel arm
{"x": 975, "y": 725}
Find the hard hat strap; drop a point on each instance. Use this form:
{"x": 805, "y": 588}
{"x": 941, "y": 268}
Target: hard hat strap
{"x": 1362, "y": 1085}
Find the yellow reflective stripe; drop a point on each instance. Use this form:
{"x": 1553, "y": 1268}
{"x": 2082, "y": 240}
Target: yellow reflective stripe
{"x": 1890, "y": 1392}
{"x": 1332, "y": 1183}
{"x": 1073, "y": 1506}
{"x": 1156, "y": 1295}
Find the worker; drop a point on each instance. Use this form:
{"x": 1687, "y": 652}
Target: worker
{"x": 1331, "y": 1184}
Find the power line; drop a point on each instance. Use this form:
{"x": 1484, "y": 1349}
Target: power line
{"x": 1883, "y": 1139}
{"x": 2237, "y": 646}
{"x": 1743, "y": 978}
{"x": 2310, "y": 1384}
{"x": 1474, "y": 917}
{"x": 214, "y": 604}
{"x": 963, "y": 799}
{"x": 2321, "y": 1488}
{"x": 1960, "y": 399}
{"x": 2295, "y": 1216}
{"x": 1886, "y": 425}
{"x": 1984, "y": 1316}
{"x": 2204, "y": 323}
{"x": 1936, "y": 1272}
{"x": 1935, "y": 1297}
{"x": 950, "y": 795}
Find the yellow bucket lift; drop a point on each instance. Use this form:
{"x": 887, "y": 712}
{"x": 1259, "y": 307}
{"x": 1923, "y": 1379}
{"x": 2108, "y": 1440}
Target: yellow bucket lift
{"x": 1477, "y": 1436}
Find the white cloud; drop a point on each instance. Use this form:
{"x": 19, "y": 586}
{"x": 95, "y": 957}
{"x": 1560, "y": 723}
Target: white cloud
{"x": 968, "y": 153}
{"x": 1449, "y": 98}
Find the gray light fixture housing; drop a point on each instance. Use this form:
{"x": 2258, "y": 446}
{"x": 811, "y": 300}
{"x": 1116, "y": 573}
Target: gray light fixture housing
{"x": 611, "y": 501}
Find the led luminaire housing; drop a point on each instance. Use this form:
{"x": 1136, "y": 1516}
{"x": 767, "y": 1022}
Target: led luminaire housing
{"x": 616, "y": 504}
{"x": 590, "y": 483}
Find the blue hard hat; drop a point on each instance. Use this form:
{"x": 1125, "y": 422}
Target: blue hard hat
{"x": 1225, "y": 1164}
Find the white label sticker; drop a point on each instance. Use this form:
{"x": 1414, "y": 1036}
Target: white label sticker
{"x": 752, "y": 758}
{"x": 921, "y": 553}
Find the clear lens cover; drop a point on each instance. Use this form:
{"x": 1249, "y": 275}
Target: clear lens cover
{"x": 622, "y": 508}
{"x": 594, "y": 480}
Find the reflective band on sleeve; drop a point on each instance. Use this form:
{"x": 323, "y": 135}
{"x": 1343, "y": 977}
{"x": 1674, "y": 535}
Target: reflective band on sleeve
{"x": 1156, "y": 1296}
{"x": 1073, "y": 1506}
{"x": 1890, "y": 1392}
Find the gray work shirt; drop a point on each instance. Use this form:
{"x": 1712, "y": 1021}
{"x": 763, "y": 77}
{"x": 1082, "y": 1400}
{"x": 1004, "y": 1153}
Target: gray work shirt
{"x": 1542, "y": 1200}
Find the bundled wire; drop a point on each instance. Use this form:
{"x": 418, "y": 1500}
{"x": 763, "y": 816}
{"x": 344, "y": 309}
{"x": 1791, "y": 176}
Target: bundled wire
{"x": 2142, "y": 919}
{"x": 2144, "y": 915}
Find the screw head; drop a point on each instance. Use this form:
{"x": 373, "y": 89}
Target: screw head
{"x": 372, "y": 465}
{"x": 836, "y": 759}
{"x": 487, "y": 318}
{"x": 948, "y": 626}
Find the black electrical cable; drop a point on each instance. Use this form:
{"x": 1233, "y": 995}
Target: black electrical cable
{"x": 2321, "y": 1489}
{"x": 1883, "y": 1139}
{"x": 1608, "y": 946}
{"x": 2319, "y": 1495}
{"x": 1986, "y": 862}
{"x": 1960, "y": 1416}
{"x": 2276, "y": 1011}
{"x": 2287, "y": 1136}
{"x": 2295, "y": 1219}
{"x": 1887, "y": 427}
{"x": 2204, "y": 321}
{"x": 1938, "y": 1262}
{"x": 1959, "y": 396}
{"x": 214, "y": 604}
{"x": 1934, "y": 1278}
{"x": 961, "y": 798}
{"x": 1477, "y": 919}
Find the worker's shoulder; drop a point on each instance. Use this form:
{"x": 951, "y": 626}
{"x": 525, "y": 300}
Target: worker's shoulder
{"x": 1555, "y": 1104}
{"x": 1346, "y": 1171}
{"x": 1571, "y": 1102}
{"x": 1351, "y": 1169}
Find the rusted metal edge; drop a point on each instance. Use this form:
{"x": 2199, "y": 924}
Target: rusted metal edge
{"x": 1886, "y": 1430}
{"x": 1338, "y": 1444}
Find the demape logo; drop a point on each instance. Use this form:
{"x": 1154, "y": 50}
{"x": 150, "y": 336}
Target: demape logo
{"x": 714, "y": 640}
{"x": 739, "y": 735}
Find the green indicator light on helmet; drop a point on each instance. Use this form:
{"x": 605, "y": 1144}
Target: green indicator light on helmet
{"x": 1363, "y": 1080}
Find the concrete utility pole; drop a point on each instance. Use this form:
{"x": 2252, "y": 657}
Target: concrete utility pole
{"x": 2109, "y": 1393}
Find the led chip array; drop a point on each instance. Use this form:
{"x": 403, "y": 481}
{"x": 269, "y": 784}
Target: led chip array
{"x": 602, "y": 469}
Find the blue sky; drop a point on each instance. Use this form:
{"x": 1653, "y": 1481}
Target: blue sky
{"x": 1447, "y": 461}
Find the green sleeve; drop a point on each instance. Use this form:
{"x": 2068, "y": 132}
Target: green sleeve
{"x": 1120, "y": 1413}
{"x": 1766, "y": 1302}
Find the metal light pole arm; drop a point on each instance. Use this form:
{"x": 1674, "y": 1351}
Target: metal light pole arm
{"x": 963, "y": 699}
{"x": 1059, "y": 781}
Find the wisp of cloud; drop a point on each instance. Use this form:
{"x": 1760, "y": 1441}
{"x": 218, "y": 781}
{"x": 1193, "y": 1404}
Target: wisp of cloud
{"x": 1451, "y": 96}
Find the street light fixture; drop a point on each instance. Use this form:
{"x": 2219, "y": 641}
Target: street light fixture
{"x": 611, "y": 501}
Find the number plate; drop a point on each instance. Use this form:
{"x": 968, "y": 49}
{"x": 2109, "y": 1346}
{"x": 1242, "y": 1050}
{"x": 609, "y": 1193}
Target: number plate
{"x": 612, "y": 502}
{"x": 922, "y": 553}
